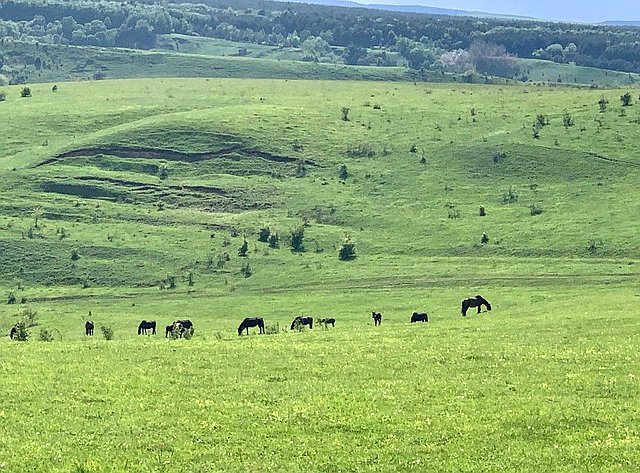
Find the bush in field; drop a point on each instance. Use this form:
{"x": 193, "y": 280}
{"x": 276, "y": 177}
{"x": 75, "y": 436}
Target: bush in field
{"x": 45, "y": 335}
{"x": 535, "y": 209}
{"x": 345, "y": 113}
{"x": 567, "y": 120}
{"x": 484, "y": 239}
{"x": 347, "y": 250}
{"x": 343, "y": 173}
{"x": 510, "y": 197}
{"x": 3, "y": 96}
{"x": 107, "y": 332}
{"x": 11, "y": 298}
{"x": 246, "y": 270}
{"x": 25, "y": 92}
{"x": 361, "y": 150}
{"x": 263, "y": 234}
{"x": 29, "y": 316}
{"x": 297, "y": 239}
{"x": 274, "y": 240}
{"x": 626, "y": 99}
{"x": 242, "y": 251}
{"x": 602, "y": 104}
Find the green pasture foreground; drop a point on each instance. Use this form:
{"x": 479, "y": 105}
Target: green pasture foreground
{"x": 547, "y": 381}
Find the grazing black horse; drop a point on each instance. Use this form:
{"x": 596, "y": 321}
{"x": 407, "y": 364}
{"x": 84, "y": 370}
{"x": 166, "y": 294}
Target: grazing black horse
{"x": 147, "y": 325}
{"x": 477, "y": 301}
{"x": 88, "y": 328}
{"x": 326, "y": 322}
{"x": 302, "y": 320}
{"x": 251, "y": 322}
{"x": 377, "y": 318}
{"x": 419, "y": 317}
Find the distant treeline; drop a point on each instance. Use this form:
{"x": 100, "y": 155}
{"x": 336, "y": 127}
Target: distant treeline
{"x": 329, "y": 32}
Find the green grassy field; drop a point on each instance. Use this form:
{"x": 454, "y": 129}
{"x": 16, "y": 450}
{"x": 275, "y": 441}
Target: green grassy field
{"x": 135, "y": 181}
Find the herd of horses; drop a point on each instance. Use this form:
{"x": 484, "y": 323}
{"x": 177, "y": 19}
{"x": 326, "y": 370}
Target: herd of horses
{"x": 185, "y": 328}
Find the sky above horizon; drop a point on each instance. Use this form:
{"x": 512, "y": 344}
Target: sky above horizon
{"x": 585, "y": 10}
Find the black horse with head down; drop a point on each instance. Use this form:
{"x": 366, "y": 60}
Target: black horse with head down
{"x": 419, "y": 317}
{"x": 477, "y": 301}
{"x": 147, "y": 325}
{"x": 302, "y": 320}
{"x": 251, "y": 322}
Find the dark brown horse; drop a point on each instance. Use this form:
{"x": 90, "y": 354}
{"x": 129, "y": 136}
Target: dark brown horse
{"x": 302, "y": 320}
{"x": 377, "y": 318}
{"x": 477, "y": 301}
{"x": 147, "y": 325}
{"x": 327, "y": 322}
{"x": 251, "y": 322}
{"x": 88, "y": 328}
{"x": 419, "y": 317}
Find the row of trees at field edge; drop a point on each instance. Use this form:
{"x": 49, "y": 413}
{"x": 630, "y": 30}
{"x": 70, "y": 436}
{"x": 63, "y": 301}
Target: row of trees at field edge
{"x": 324, "y": 31}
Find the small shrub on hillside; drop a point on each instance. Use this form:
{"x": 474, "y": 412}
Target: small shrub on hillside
{"x": 3, "y": 96}
{"x": 11, "y": 298}
{"x": 345, "y": 113}
{"x": 25, "y": 92}
{"x": 499, "y": 157}
{"x": 190, "y": 278}
{"x": 347, "y": 250}
{"x": 21, "y": 334}
{"x": 263, "y": 234}
{"x": 594, "y": 245}
{"x": 242, "y": 251}
{"x": 535, "y": 209}
{"x": 246, "y": 270}
{"x": 626, "y": 99}
{"x": 74, "y": 255}
{"x": 29, "y": 317}
{"x": 361, "y": 150}
{"x": 602, "y": 104}
{"x": 484, "y": 239}
{"x": 343, "y": 173}
{"x": 482, "y": 212}
{"x": 536, "y": 129}
{"x": 542, "y": 120}
{"x": 272, "y": 329}
{"x": 297, "y": 239}
{"x": 45, "y": 335}
{"x": 163, "y": 172}
{"x": 567, "y": 120}
{"x": 452, "y": 211}
{"x": 274, "y": 240}
{"x": 510, "y": 197}
{"x": 171, "y": 281}
{"x": 107, "y": 332}
{"x": 301, "y": 168}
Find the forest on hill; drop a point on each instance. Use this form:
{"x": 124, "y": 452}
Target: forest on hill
{"x": 354, "y": 36}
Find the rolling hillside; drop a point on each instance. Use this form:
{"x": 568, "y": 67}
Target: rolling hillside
{"x": 132, "y": 199}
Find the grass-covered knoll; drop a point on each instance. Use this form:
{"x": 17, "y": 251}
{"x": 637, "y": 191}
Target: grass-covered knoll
{"x": 114, "y": 192}
{"x": 28, "y": 62}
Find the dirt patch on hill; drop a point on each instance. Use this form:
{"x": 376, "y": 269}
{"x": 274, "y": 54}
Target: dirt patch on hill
{"x": 234, "y": 151}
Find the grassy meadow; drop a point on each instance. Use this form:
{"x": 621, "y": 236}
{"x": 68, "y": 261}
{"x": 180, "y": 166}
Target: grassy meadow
{"x": 112, "y": 189}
